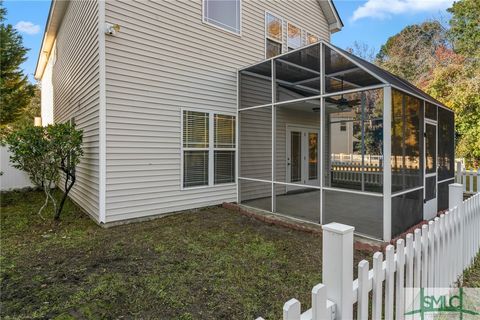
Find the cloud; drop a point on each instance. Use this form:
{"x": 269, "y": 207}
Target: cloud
{"x": 27, "y": 27}
{"x": 382, "y": 9}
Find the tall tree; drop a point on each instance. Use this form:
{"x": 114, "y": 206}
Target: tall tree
{"x": 465, "y": 27}
{"x": 424, "y": 55}
{"x": 457, "y": 85}
{"x": 15, "y": 90}
{"x": 410, "y": 53}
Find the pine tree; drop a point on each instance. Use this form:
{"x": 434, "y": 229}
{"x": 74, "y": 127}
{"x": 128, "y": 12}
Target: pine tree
{"x": 15, "y": 89}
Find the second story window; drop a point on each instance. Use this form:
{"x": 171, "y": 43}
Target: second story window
{"x": 224, "y": 14}
{"x": 294, "y": 38}
{"x": 273, "y": 32}
{"x": 311, "y": 38}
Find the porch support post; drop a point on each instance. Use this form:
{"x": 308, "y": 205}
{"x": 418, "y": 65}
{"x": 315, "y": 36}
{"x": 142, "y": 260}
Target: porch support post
{"x": 387, "y": 167}
{"x": 322, "y": 126}
{"x": 274, "y": 123}
{"x": 337, "y": 267}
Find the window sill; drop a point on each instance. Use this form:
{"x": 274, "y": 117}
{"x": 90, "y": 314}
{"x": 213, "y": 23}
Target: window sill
{"x": 220, "y": 185}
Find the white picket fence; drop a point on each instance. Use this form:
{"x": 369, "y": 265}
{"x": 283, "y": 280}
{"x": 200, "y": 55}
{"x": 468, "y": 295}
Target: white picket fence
{"x": 434, "y": 256}
{"x": 349, "y": 172}
{"x": 470, "y": 179}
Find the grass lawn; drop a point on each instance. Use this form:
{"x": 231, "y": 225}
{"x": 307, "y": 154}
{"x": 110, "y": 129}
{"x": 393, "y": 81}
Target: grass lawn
{"x": 471, "y": 276}
{"x": 207, "y": 264}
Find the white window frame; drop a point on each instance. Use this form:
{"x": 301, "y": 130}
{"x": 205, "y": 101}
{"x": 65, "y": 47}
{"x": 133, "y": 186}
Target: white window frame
{"x": 302, "y": 31}
{"x": 270, "y": 38}
{"x": 204, "y": 20}
{"x": 211, "y": 148}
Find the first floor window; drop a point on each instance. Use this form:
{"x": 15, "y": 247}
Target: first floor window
{"x": 208, "y": 148}
{"x": 224, "y": 14}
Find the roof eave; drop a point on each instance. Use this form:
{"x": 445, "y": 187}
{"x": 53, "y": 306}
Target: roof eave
{"x": 334, "y": 21}
{"x": 55, "y": 17}
{"x": 335, "y": 27}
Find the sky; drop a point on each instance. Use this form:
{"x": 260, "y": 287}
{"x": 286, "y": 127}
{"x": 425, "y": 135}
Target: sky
{"x": 369, "y": 22}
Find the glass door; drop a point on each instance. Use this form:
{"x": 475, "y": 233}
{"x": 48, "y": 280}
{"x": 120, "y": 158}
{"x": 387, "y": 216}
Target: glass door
{"x": 430, "y": 190}
{"x": 302, "y": 157}
{"x": 312, "y": 159}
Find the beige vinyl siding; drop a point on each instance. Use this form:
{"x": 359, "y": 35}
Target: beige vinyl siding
{"x": 163, "y": 59}
{"x": 76, "y": 92}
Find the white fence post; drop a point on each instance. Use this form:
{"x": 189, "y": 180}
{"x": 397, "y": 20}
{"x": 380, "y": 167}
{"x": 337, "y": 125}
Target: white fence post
{"x": 337, "y": 267}
{"x": 455, "y": 195}
{"x": 459, "y": 172}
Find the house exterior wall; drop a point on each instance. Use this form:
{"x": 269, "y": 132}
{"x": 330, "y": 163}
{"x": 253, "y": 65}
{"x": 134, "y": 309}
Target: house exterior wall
{"x": 47, "y": 91}
{"x": 75, "y": 79}
{"x": 163, "y": 59}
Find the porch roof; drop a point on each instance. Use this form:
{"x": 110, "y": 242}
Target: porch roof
{"x": 388, "y": 77}
{"x": 383, "y": 76}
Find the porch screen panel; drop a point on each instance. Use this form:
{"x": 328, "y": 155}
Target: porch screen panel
{"x": 446, "y": 144}
{"x": 255, "y": 194}
{"x": 407, "y": 211}
{"x": 342, "y": 74}
{"x": 442, "y": 196}
{"x": 297, "y": 144}
{"x": 430, "y": 188}
{"x": 297, "y": 74}
{"x": 298, "y": 202}
{"x": 407, "y": 142}
{"x": 255, "y": 85}
{"x": 430, "y": 149}
{"x": 354, "y": 141}
{"x": 255, "y": 143}
{"x": 430, "y": 111}
{"x": 364, "y": 212}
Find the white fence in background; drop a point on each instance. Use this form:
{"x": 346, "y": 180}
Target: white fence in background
{"x": 345, "y": 172}
{"x": 470, "y": 179}
{"x": 434, "y": 256}
{"x": 10, "y": 177}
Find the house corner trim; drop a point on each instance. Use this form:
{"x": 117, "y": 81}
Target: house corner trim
{"x": 102, "y": 114}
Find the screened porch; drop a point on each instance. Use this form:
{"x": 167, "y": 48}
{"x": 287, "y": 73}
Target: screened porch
{"x": 325, "y": 136}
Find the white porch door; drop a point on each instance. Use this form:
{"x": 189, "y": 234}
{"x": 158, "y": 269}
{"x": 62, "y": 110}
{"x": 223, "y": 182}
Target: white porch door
{"x": 302, "y": 156}
{"x": 430, "y": 190}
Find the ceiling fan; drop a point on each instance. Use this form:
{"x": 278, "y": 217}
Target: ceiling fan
{"x": 343, "y": 103}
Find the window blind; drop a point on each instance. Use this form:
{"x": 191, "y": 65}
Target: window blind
{"x": 224, "y": 166}
{"x": 195, "y": 168}
{"x": 195, "y": 129}
{"x": 224, "y": 131}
